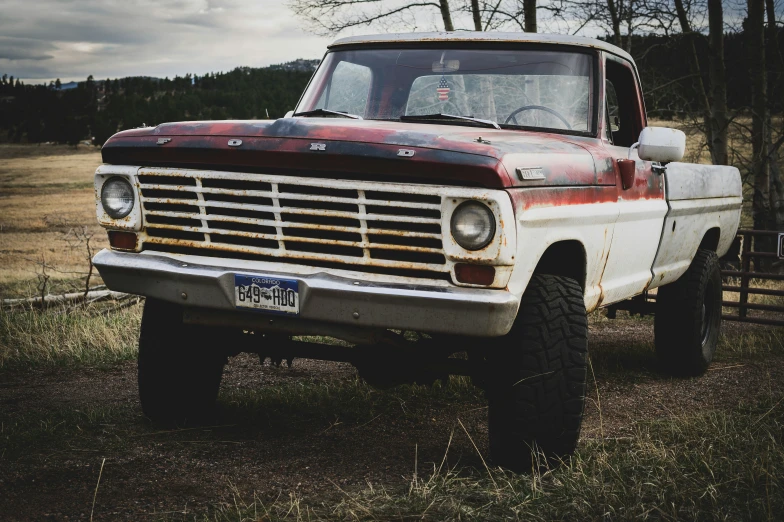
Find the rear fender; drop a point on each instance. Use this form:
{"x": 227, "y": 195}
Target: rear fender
{"x": 701, "y": 199}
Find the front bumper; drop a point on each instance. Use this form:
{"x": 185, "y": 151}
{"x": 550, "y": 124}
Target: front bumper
{"x": 324, "y": 298}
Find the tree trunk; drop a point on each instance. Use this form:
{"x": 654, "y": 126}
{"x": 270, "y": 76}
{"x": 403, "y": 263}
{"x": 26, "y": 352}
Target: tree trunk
{"x": 529, "y": 14}
{"x": 755, "y": 32}
{"x": 718, "y": 84}
{"x": 776, "y": 185}
{"x": 477, "y": 15}
{"x": 616, "y": 22}
{"x": 773, "y": 48}
{"x": 694, "y": 66}
{"x": 446, "y": 14}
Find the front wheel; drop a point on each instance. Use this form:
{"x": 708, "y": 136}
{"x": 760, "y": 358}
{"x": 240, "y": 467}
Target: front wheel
{"x": 180, "y": 366}
{"x": 536, "y": 376}
{"x": 688, "y": 317}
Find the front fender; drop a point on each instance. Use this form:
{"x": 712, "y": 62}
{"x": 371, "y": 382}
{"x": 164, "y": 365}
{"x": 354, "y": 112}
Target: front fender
{"x": 550, "y": 215}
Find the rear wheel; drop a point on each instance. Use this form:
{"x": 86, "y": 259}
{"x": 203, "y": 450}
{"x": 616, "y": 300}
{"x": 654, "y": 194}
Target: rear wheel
{"x": 688, "y": 317}
{"x": 536, "y": 376}
{"x": 180, "y": 366}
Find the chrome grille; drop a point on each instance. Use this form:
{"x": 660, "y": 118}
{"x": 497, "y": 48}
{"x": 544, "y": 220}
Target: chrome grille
{"x": 381, "y": 228}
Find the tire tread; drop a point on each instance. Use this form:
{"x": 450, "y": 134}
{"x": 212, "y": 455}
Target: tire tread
{"x": 539, "y": 371}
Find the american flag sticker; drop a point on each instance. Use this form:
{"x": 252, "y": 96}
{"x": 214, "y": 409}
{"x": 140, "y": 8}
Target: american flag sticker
{"x": 443, "y": 89}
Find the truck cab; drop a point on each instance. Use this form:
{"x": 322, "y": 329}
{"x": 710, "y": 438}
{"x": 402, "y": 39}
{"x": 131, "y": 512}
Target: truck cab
{"x": 485, "y": 190}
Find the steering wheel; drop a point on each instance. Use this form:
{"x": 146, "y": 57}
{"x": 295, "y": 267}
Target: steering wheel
{"x": 538, "y": 108}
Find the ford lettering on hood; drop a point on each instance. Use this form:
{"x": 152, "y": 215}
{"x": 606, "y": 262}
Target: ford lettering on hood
{"x": 362, "y": 149}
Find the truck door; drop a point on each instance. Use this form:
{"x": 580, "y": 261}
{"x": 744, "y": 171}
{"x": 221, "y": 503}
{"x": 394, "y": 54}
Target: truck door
{"x": 642, "y": 206}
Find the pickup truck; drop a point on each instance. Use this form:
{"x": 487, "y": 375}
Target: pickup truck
{"x": 445, "y": 204}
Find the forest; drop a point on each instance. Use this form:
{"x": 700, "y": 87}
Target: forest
{"x": 95, "y": 109}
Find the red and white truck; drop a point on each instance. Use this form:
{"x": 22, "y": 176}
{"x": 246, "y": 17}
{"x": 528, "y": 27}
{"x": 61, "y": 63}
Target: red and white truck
{"x": 484, "y": 190}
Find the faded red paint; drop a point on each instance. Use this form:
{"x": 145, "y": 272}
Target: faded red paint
{"x": 576, "y": 169}
{"x": 647, "y": 185}
{"x": 558, "y": 196}
{"x": 285, "y": 146}
{"x": 443, "y": 154}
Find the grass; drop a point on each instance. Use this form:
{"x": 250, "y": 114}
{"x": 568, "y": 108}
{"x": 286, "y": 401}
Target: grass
{"x": 45, "y": 192}
{"x": 289, "y": 410}
{"x": 708, "y": 466}
{"x": 715, "y": 465}
{"x": 629, "y": 350}
{"x": 30, "y": 339}
{"x": 293, "y": 408}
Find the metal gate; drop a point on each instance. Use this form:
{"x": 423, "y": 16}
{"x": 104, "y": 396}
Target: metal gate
{"x": 758, "y": 265}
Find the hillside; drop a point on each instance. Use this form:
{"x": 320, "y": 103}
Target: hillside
{"x": 98, "y": 108}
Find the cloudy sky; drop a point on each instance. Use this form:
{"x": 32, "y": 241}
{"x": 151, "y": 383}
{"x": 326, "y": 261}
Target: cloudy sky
{"x": 42, "y": 40}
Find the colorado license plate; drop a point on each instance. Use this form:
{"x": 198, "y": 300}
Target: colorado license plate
{"x": 267, "y": 294}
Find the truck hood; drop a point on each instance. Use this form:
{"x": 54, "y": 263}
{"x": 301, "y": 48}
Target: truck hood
{"x": 362, "y": 149}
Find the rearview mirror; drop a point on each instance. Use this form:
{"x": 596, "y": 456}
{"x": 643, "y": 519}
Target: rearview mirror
{"x": 661, "y": 144}
{"x": 446, "y": 66}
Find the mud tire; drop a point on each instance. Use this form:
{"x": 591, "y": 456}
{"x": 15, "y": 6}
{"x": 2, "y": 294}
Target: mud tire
{"x": 180, "y": 367}
{"x": 536, "y": 377}
{"x": 688, "y": 318}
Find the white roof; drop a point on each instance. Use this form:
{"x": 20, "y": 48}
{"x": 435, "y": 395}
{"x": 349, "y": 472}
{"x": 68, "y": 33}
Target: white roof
{"x": 480, "y": 36}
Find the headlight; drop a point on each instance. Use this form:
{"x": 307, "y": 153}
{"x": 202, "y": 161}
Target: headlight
{"x": 473, "y": 225}
{"x": 117, "y": 197}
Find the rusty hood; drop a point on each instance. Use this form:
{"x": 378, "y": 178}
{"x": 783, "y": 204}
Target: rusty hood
{"x": 361, "y": 149}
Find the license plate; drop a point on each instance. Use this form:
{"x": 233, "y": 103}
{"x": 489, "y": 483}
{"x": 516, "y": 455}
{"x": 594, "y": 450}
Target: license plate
{"x": 266, "y": 294}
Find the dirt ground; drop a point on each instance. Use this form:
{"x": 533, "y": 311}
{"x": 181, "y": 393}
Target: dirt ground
{"x": 314, "y": 452}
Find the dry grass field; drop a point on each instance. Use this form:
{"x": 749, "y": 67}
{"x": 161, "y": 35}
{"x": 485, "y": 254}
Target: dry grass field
{"x": 46, "y": 200}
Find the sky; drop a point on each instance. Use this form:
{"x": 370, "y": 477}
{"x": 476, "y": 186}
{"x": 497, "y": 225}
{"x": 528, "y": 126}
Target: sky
{"x": 41, "y": 40}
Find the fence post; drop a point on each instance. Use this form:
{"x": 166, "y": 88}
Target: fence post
{"x": 745, "y": 261}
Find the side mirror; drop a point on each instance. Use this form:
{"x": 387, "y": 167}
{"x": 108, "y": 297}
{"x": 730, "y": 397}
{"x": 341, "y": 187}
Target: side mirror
{"x": 289, "y": 114}
{"x": 661, "y": 144}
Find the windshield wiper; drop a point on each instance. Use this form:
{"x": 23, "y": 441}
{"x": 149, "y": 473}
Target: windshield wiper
{"x": 440, "y": 116}
{"x": 327, "y": 112}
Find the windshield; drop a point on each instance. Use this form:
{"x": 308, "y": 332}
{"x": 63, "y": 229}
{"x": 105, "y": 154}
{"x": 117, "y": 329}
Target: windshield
{"x": 536, "y": 89}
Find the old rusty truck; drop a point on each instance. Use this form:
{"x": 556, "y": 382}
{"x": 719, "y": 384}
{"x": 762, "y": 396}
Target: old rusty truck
{"x": 445, "y": 204}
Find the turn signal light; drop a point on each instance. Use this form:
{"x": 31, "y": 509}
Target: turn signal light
{"x": 475, "y": 274}
{"x": 122, "y": 240}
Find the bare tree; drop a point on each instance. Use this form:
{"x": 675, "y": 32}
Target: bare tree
{"x": 719, "y": 121}
{"x": 616, "y": 17}
{"x": 446, "y": 15}
{"x": 694, "y": 66}
{"x": 755, "y": 33}
{"x": 776, "y": 62}
{"x": 43, "y": 281}
{"x": 476, "y": 15}
{"x": 505, "y": 14}
{"x": 615, "y": 21}
{"x": 329, "y": 17}
{"x": 77, "y": 238}
{"x": 529, "y": 10}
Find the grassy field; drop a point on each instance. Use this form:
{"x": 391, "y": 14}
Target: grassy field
{"x": 314, "y": 442}
{"x": 46, "y": 202}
